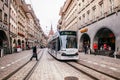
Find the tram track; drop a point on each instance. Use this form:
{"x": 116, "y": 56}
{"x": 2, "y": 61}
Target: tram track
{"x": 91, "y": 72}
{"x": 32, "y": 70}
{"x": 26, "y": 76}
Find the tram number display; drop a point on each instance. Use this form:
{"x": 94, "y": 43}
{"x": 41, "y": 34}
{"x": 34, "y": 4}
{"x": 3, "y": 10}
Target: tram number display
{"x": 67, "y": 33}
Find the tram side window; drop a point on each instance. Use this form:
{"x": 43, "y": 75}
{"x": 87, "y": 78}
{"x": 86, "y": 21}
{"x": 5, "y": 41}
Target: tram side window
{"x": 53, "y": 44}
{"x": 58, "y": 44}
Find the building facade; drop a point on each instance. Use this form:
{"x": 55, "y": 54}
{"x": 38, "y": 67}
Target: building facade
{"x": 19, "y": 27}
{"x": 4, "y": 27}
{"x": 98, "y": 23}
{"x": 13, "y": 25}
{"x": 30, "y": 27}
{"x": 68, "y": 15}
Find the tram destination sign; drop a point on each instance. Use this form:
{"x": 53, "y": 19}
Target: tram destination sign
{"x": 67, "y": 33}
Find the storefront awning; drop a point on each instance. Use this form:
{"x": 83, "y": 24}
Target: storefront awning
{"x": 83, "y": 30}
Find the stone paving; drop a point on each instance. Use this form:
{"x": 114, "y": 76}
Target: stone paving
{"x": 11, "y": 62}
{"x": 51, "y": 69}
{"x": 104, "y": 64}
{"x": 7, "y": 59}
{"x": 46, "y": 71}
{"x": 105, "y": 60}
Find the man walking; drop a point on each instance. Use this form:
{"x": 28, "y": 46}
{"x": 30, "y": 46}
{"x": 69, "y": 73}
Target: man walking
{"x": 34, "y": 53}
{"x": 85, "y": 48}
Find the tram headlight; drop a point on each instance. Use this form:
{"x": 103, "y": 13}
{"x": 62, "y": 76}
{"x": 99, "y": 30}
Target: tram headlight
{"x": 76, "y": 53}
{"x": 63, "y": 54}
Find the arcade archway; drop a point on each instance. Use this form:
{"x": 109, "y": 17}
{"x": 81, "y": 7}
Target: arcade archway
{"x": 19, "y": 43}
{"x": 14, "y": 43}
{"x": 23, "y": 44}
{"x": 3, "y": 39}
{"x": 85, "y": 40}
{"x": 105, "y": 36}
{"x": 4, "y": 43}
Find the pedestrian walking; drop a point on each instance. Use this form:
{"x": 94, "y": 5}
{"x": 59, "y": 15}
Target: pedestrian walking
{"x": 105, "y": 46}
{"x": 95, "y": 46}
{"x": 89, "y": 50}
{"x": 86, "y": 48}
{"x": 34, "y": 53}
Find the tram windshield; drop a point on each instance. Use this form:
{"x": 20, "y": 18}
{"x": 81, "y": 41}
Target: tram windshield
{"x": 68, "y": 41}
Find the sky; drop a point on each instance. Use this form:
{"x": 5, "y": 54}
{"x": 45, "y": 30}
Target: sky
{"x": 47, "y": 11}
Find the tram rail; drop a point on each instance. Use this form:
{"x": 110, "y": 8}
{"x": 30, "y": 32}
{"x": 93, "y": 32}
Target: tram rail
{"x": 26, "y": 77}
{"x": 91, "y": 72}
{"x": 32, "y": 70}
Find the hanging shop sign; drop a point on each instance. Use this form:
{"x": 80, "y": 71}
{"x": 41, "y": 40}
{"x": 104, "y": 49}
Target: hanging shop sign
{"x": 83, "y": 30}
{"x": 20, "y": 34}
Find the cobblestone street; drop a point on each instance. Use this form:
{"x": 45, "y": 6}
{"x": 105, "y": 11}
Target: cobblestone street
{"x": 60, "y": 40}
{"x": 51, "y": 69}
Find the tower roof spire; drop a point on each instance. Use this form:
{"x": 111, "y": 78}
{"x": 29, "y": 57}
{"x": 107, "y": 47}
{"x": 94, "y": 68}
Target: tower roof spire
{"x": 51, "y": 31}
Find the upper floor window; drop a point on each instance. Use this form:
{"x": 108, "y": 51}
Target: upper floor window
{"x": 92, "y": 0}
{"x": 5, "y": 18}
{"x": 6, "y": 3}
{"x": 88, "y": 14}
{"x": 79, "y": 18}
{"x": 83, "y": 18}
{"x": 83, "y": 0}
{"x": 111, "y": 5}
{"x": 94, "y": 11}
{"x": 0, "y": 15}
{"x": 101, "y": 7}
{"x": 83, "y": 3}
{"x": 111, "y": 1}
{"x": 79, "y": 4}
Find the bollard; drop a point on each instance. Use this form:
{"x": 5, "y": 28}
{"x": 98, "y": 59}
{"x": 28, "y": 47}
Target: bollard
{"x": 1, "y": 53}
{"x": 71, "y": 78}
{"x": 115, "y": 54}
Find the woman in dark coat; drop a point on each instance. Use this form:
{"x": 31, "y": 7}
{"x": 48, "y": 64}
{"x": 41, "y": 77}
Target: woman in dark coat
{"x": 34, "y": 53}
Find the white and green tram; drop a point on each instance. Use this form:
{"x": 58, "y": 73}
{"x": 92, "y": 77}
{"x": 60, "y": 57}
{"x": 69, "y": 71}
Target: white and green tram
{"x": 63, "y": 45}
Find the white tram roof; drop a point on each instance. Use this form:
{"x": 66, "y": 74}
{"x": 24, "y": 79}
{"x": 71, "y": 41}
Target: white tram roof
{"x": 54, "y": 36}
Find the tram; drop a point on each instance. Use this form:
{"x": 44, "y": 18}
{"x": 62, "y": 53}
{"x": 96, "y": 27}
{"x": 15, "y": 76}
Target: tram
{"x": 63, "y": 45}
